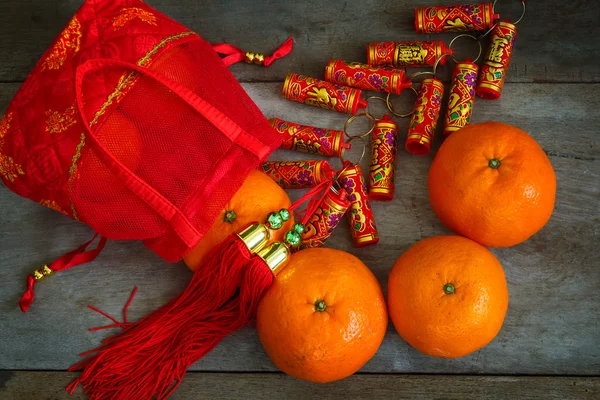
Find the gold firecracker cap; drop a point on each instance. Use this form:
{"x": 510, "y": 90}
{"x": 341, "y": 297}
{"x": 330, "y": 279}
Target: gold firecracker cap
{"x": 276, "y": 256}
{"x": 255, "y": 237}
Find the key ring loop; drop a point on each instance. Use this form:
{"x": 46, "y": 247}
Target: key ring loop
{"x": 362, "y": 155}
{"x": 432, "y": 73}
{"x": 371, "y": 115}
{"x": 352, "y": 118}
{"x": 390, "y": 106}
{"x": 517, "y": 21}
{"x": 469, "y": 36}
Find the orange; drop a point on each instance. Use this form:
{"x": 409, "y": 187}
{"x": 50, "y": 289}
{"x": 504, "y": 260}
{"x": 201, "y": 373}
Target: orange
{"x": 324, "y": 316}
{"x": 258, "y": 196}
{"x": 447, "y": 296}
{"x": 121, "y": 139}
{"x": 493, "y": 183}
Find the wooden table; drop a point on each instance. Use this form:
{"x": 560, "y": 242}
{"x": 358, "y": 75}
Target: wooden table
{"x": 549, "y": 345}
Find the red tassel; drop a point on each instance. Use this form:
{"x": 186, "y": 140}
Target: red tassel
{"x": 235, "y": 54}
{"x": 150, "y": 357}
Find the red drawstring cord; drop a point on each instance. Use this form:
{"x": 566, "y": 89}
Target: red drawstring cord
{"x": 234, "y": 54}
{"x": 71, "y": 259}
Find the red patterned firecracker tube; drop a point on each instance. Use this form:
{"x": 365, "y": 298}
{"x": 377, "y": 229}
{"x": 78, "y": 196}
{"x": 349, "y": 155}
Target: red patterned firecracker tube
{"x": 298, "y": 174}
{"x": 327, "y": 216}
{"x": 455, "y": 18}
{"x": 497, "y": 59}
{"x": 318, "y": 93}
{"x": 360, "y": 214}
{"x": 462, "y": 96}
{"x": 407, "y": 54}
{"x": 425, "y": 117}
{"x": 363, "y": 76}
{"x": 310, "y": 139}
{"x": 384, "y": 149}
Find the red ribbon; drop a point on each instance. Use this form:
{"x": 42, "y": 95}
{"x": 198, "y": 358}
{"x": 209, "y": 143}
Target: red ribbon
{"x": 71, "y": 259}
{"x": 234, "y": 54}
{"x": 316, "y": 196}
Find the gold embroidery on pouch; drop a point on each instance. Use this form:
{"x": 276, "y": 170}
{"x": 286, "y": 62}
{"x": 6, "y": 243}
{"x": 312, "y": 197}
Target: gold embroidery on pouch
{"x": 129, "y": 14}
{"x": 127, "y": 81}
{"x": 53, "y": 205}
{"x": 57, "y": 122}
{"x": 4, "y": 125}
{"x": 68, "y": 42}
{"x": 8, "y": 168}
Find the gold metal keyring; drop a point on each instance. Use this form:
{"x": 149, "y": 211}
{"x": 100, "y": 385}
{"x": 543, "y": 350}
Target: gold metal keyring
{"x": 390, "y": 106}
{"x": 433, "y": 72}
{"x": 371, "y": 115}
{"x": 352, "y": 118}
{"x": 469, "y": 36}
{"x": 517, "y": 21}
{"x": 364, "y": 150}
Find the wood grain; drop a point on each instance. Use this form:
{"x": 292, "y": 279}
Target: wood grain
{"x": 26, "y": 385}
{"x": 553, "y": 322}
{"x": 555, "y": 40}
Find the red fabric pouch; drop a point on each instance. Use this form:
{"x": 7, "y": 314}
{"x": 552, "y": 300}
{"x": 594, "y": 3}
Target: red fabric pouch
{"x": 133, "y": 125}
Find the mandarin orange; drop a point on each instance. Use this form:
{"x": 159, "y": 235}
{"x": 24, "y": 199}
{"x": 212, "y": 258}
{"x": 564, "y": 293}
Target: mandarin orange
{"x": 255, "y": 199}
{"x": 493, "y": 183}
{"x": 324, "y": 316}
{"x": 447, "y": 296}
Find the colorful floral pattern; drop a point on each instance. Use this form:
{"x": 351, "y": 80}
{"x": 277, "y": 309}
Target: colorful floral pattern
{"x": 460, "y": 100}
{"x": 455, "y": 18}
{"x": 384, "y": 149}
{"x": 362, "y": 76}
{"x": 318, "y": 93}
{"x": 298, "y": 174}
{"x": 360, "y": 214}
{"x": 309, "y": 139}
{"x": 496, "y": 61}
{"x": 425, "y": 117}
{"x": 324, "y": 220}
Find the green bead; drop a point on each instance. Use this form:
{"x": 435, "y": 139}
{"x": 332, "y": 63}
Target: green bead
{"x": 275, "y": 221}
{"x": 285, "y": 214}
{"x": 293, "y": 238}
{"x": 299, "y": 228}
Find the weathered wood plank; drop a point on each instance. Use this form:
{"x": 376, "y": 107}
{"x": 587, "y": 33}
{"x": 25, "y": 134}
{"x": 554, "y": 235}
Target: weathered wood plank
{"x": 553, "y": 45}
{"x": 26, "y": 385}
{"x": 553, "y": 321}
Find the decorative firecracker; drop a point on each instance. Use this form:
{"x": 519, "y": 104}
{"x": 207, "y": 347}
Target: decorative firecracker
{"x": 455, "y": 18}
{"x": 384, "y": 149}
{"x": 310, "y": 139}
{"x": 407, "y": 54}
{"x": 360, "y": 214}
{"x": 496, "y": 61}
{"x": 318, "y": 93}
{"x": 425, "y": 117}
{"x": 298, "y": 174}
{"x": 325, "y": 219}
{"x": 462, "y": 96}
{"x": 363, "y": 76}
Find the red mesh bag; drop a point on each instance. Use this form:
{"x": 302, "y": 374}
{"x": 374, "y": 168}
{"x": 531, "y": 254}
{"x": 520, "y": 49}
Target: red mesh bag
{"x": 133, "y": 125}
